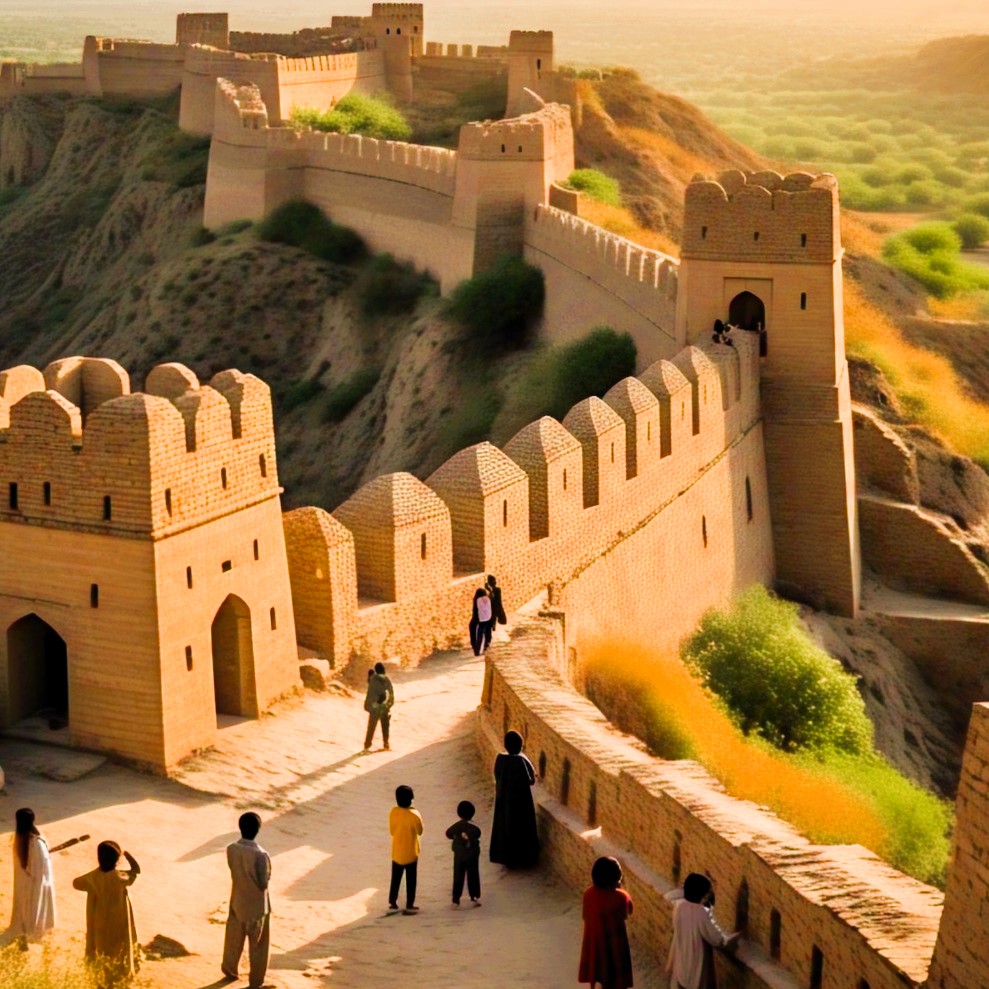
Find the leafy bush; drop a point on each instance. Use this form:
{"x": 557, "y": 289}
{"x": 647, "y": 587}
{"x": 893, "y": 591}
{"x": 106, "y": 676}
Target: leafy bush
{"x": 356, "y": 113}
{"x": 973, "y": 229}
{"x": 301, "y": 392}
{"x": 930, "y": 254}
{"x": 813, "y": 703}
{"x": 500, "y": 306}
{"x": 343, "y": 397}
{"x": 596, "y": 184}
{"x": 391, "y": 288}
{"x": 304, "y": 225}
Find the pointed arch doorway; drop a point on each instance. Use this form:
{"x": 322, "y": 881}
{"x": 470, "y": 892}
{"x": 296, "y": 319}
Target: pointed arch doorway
{"x": 37, "y": 673}
{"x": 234, "y": 685}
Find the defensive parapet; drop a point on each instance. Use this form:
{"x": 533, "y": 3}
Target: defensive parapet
{"x": 144, "y": 564}
{"x": 763, "y": 252}
{"x": 530, "y": 66}
{"x": 559, "y": 508}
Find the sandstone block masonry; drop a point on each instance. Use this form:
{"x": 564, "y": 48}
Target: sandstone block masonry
{"x": 144, "y": 588}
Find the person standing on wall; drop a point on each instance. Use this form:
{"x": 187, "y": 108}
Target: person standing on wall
{"x": 250, "y": 908}
{"x": 494, "y": 592}
{"x": 475, "y": 629}
{"x": 485, "y": 621}
{"x": 695, "y": 932}
{"x": 605, "y": 957}
{"x": 378, "y": 703}
{"x": 34, "y": 883}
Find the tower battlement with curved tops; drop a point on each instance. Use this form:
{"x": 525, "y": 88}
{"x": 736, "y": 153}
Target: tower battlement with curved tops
{"x": 79, "y": 449}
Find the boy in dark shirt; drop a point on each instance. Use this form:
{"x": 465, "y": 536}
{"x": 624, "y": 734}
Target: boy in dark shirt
{"x": 466, "y": 839}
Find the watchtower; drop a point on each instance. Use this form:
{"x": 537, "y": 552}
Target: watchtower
{"x": 398, "y": 30}
{"x": 530, "y": 66}
{"x": 763, "y": 252}
{"x": 203, "y": 29}
{"x": 144, "y": 587}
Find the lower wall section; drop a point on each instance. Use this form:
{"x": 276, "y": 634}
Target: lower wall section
{"x": 601, "y": 794}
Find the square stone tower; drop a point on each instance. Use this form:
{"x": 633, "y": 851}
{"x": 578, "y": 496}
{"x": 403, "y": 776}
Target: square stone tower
{"x": 144, "y": 587}
{"x": 763, "y": 252}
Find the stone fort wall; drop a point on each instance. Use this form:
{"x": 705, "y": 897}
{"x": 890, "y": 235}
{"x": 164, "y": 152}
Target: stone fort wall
{"x": 617, "y": 494}
{"x": 129, "y": 521}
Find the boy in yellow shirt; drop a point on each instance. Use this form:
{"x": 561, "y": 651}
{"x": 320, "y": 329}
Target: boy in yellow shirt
{"x": 405, "y": 825}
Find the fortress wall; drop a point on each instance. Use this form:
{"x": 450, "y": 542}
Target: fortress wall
{"x": 595, "y": 278}
{"x": 54, "y": 77}
{"x": 321, "y": 80}
{"x": 914, "y": 550}
{"x": 961, "y": 957}
{"x": 457, "y": 68}
{"x": 601, "y": 794}
{"x": 138, "y": 68}
{"x": 115, "y": 700}
{"x": 260, "y": 579}
{"x": 662, "y": 511}
{"x": 297, "y": 44}
{"x": 204, "y": 66}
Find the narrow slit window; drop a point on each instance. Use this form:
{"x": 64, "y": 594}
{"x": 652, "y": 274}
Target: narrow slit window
{"x": 12, "y": 496}
{"x": 257, "y": 550}
{"x": 223, "y": 477}
{"x": 704, "y": 530}
{"x": 46, "y": 493}
{"x": 504, "y": 512}
{"x": 422, "y": 545}
{"x": 612, "y": 452}
{"x": 226, "y": 566}
{"x": 742, "y": 906}
{"x": 168, "y": 500}
{"x": 816, "y": 967}
{"x": 263, "y": 464}
{"x": 649, "y": 432}
{"x": 803, "y": 240}
{"x": 107, "y": 508}
{"x": 539, "y": 63}
{"x": 676, "y": 866}
{"x": 520, "y": 149}
{"x": 188, "y": 657}
{"x": 274, "y": 623}
{"x": 748, "y": 498}
{"x": 503, "y": 149}
{"x": 94, "y": 595}
{"x": 188, "y": 577}
{"x": 565, "y": 783}
{"x": 703, "y": 233}
{"x": 564, "y": 479}
{"x": 803, "y": 300}
{"x": 775, "y": 934}
{"x": 755, "y": 236}
{"x": 592, "y": 804}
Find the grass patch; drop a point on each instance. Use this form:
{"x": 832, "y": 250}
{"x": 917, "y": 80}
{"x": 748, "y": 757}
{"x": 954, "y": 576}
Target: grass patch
{"x": 356, "y": 113}
{"x": 470, "y": 422}
{"x": 301, "y": 393}
{"x": 595, "y": 184}
{"x": 830, "y": 798}
{"x": 302, "y": 224}
{"x": 391, "y": 288}
{"x": 500, "y": 306}
{"x": 180, "y": 160}
{"x": 342, "y": 398}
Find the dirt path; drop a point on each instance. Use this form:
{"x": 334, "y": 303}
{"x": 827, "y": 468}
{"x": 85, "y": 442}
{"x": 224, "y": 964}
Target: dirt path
{"x": 325, "y": 808}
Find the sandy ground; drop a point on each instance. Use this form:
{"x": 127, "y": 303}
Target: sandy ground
{"x": 325, "y": 809}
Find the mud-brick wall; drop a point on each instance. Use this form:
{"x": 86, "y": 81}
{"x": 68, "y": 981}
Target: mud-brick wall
{"x": 602, "y": 794}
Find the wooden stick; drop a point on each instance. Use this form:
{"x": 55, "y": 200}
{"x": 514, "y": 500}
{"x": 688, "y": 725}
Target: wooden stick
{"x": 69, "y": 843}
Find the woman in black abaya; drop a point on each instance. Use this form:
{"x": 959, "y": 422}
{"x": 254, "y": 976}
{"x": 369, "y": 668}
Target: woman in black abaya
{"x": 514, "y": 841}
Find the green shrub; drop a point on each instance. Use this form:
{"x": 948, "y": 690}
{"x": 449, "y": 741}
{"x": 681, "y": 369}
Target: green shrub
{"x": 304, "y": 225}
{"x": 201, "y": 237}
{"x": 356, "y": 113}
{"x": 973, "y": 229}
{"x": 180, "y": 159}
{"x": 342, "y": 398}
{"x": 596, "y": 184}
{"x": 917, "y": 822}
{"x": 933, "y": 238}
{"x": 978, "y": 204}
{"x": 500, "y": 306}
{"x": 759, "y": 644}
{"x": 391, "y": 288}
{"x": 470, "y": 422}
{"x": 301, "y": 393}
{"x": 929, "y": 253}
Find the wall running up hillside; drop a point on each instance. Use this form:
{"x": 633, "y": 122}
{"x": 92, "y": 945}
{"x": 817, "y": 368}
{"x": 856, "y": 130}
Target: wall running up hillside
{"x": 603, "y": 511}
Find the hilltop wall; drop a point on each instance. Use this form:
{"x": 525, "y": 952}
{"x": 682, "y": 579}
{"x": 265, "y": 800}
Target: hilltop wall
{"x": 569, "y": 509}
{"x": 595, "y": 278}
{"x": 602, "y": 795}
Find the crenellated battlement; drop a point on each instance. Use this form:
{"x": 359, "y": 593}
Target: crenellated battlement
{"x": 531, "y": 41}
{"x": 78, "y": 449}
{"x": 532, "y": 136}
{"x": 763, "y": 216}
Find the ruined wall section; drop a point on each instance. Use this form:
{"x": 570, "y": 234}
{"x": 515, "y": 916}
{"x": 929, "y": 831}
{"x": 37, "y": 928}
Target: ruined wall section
{"x": 594, "y": 278}
{"x": 602, "y": 795}
{"x": 696, "y": 482}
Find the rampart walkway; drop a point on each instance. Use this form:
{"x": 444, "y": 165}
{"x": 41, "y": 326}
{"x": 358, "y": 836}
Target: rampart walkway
{"x": 325, "y": 809}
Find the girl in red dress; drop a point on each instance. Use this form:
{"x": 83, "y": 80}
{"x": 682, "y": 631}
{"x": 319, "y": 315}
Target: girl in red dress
{"x": 605, "y": 958}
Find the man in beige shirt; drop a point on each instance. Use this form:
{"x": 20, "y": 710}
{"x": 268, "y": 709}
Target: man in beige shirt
{"x": 250, "y": 909}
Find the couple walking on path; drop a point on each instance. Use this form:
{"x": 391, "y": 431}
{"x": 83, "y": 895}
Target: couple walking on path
{"x": 487, "y": 610}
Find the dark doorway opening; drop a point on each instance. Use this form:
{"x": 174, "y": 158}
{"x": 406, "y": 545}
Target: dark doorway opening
{"x": 233, "y": 660}
{"x": 747, "y": 312}
{"x": 37, "y": 673}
